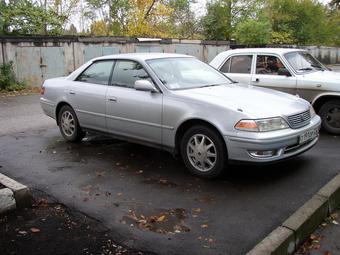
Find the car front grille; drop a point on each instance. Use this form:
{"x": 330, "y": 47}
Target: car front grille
{"x": 299, "y": 120}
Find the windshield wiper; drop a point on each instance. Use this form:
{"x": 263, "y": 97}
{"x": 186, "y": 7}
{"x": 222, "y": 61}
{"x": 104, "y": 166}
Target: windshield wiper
{"x": 319, "y": 67}
{"x": 212, "y": 85}
{"x": 305, "y": 69}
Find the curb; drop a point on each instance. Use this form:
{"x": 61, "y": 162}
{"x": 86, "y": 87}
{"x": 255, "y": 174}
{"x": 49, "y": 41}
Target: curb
{"x": 14, "y": 195}
{"x": 286, "y": 238}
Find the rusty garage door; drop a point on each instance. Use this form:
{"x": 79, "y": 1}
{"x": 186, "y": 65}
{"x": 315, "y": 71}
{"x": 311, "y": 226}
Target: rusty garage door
{"x": 35, "y": 64}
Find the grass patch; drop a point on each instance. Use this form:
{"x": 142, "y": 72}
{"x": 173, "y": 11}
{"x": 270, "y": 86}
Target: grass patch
{"x": 8, "y": 81}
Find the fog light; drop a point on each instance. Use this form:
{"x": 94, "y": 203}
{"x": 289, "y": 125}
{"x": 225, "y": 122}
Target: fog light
{"x": 262, "y": 154}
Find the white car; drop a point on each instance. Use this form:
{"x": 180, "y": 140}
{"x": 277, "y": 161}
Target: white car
{"x": 294, "y": 71}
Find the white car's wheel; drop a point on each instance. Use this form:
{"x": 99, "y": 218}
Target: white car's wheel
{"x": 203, "y": 152}
{"x": 69, "y": 125}
{"x": 330, "y": 115}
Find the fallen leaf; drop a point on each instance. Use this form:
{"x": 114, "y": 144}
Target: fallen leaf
{"x": 204, "y": 226}
{"x": 161, "y": 218}
{"x": 100, "y": 173}
{"x": 334, "y": 216}
{"x": 327, "y": 253}
{"x": 316, "y": 246}
{"x": 313, "y": 237}
{"x": 35, "y": 230}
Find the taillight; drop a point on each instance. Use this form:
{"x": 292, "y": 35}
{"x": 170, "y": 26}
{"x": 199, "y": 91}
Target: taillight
{"x": 42, "y": 90}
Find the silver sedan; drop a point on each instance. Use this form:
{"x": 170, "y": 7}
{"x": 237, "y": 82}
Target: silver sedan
{"x": 178, "y": 103}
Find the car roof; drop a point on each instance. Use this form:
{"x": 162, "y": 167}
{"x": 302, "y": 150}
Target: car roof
{"x": 142, "y": 56}
{"x": 265, "y": 50}
{"x": 222, "y": 56}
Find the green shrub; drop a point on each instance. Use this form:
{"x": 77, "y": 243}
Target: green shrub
{"x": 7, "y": 78}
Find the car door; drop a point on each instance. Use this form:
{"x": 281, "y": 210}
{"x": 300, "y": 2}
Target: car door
{"x": 87, "y": 94}
{"x": 271, "y": 72}
{"x": 238, "y": 67}
{"x": 130, "y": 112}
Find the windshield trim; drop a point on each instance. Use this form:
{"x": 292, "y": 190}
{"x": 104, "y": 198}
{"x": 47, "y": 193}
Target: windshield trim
{"x": 147, "y": 61}
{"x": 302, "y": 72}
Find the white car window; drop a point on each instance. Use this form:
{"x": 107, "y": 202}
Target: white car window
{"x": 269, "y": 65}
{"x": 241, "y": 64}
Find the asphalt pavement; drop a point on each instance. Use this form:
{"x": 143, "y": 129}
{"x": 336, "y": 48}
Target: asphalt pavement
{"x": 129, "y": 187}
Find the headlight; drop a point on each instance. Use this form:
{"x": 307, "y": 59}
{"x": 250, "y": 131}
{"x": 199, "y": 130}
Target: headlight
{"x": 312, "y": 112}
{"x": 262, "y": 125}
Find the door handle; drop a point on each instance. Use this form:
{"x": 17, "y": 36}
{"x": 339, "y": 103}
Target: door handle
{"x": 255, "y": 79}
{"x": 112, "y": 99}
{"x": 72, "y": 92}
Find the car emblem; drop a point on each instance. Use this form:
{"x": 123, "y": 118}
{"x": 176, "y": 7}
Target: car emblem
{"x": 303, "y": 117}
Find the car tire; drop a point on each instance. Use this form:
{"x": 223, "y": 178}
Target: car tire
{"x": 203, "y": 152}
{"x": 330, "y": 116}
{"x": 69, "y": 125}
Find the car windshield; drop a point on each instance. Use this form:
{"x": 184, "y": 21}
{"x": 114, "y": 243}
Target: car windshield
{"x": 303, "y": 62}
{"x": 186, "y": 73}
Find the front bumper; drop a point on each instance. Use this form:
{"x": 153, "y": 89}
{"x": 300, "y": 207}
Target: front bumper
{"x": 283, "y": 144}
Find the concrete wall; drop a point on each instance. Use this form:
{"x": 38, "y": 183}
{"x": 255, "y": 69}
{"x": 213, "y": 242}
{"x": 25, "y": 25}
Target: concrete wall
{"x": 38, "y": 58}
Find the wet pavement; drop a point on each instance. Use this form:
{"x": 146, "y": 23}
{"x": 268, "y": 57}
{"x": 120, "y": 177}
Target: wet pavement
{"x": 325, "y": 239}
{"x": 50, "y": 228}
{"x": 148, "y": 199}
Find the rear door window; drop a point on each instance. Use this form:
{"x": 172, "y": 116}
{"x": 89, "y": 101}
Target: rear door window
{"x": 226, "y": 66}
{"x": 240, "y": 64}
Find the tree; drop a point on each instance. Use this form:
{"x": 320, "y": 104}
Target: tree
{"x": 72, "y": 30}
{"x": 297, "y": 19}
{"x": 62, "y": 8}
{"x": 253, "y": 32}
{"x": 183, "y": 21}
{"x": 114, "y": 13}
{"x": 224, "y": 15}
{"x": 335, "y": 4}
{"x": 99, "y": 28}
{"x": 148, "y": 18}
{"x": 217, "y": 22}
{"x": 26, "y": 17}
{"x": 3, "y": 22}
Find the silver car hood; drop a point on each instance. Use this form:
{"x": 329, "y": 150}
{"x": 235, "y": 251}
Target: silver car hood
{"x": 254, "y": 101}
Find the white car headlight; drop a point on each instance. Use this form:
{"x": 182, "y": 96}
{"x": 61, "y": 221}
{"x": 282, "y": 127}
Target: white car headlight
{"x": 312, "y": 112}
{"x": 262, "y": 125}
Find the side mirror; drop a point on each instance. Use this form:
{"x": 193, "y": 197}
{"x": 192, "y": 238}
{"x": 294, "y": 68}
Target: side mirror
{"x": 283, "y": 71}
{"x": 145, "y": 85}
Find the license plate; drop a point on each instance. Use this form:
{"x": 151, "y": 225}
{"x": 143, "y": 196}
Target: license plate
{"x": 308, "y": 135}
